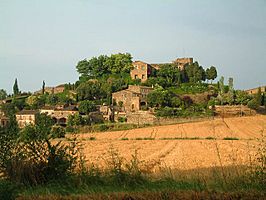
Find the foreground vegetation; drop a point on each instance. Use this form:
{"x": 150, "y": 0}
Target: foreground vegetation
{"x": 33, "y": 165}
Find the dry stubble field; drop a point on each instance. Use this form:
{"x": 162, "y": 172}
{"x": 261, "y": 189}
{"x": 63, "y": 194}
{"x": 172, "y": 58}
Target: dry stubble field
{"x": 162, "y": 146}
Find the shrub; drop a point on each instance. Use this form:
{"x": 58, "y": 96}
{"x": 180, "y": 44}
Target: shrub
{"x": 103, "y": 127}
{"x": 122, "y": 119}
{"x": 230, "y": 138}
{"x": 58, "y": 132}
{"x": 253, "y": 104}
{"x": 30, "y": 157}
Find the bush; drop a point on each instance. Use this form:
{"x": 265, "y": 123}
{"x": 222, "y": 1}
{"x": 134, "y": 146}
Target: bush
{"x": 253, "y": 104}
{"x": 8, "y": 190}
{"x": 58, "y": 132}
{"x": 122, "y": 119}
{"x": 30, "y": 158}
{"x": 103, "y": 127}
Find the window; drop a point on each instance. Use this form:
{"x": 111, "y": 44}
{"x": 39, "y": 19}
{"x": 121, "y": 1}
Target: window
{"x": 132, "y": 106}
{"x": 143, "y": 67}
{"x": 135, "y": 67}
{"x": 136, "y": 76}
{"x": 143, "y": 76}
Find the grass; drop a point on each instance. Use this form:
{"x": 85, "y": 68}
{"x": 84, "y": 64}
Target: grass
{"x": 145, "y": 138}
{"x": 92, "y": 138}
{"x": 182, "y": 138}
{"x": 230, "y": 138}
{"x": 107, "y": 186}
{"x": 210, "y": 138}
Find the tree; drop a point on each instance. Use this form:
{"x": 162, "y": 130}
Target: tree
{"x": 3, "y": 94}
{"x": 195, "y": 73}
{"x": 258, "y": 97}
{"x": 171, "y": 73}
{"x": 52, "y": 99}
{"x": 103, "y": 65}
{"x": 89, "y": 91}
{"x": 15, "y": 88}
{"x": 231, "y": 91}
{"x": 86, "y": 107}
{"x": 43, "y": 87}
{"x": 211, "y": 73}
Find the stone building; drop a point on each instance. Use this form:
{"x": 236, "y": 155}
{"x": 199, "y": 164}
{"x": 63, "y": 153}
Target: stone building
{"x": 3, "y": 121}
{"x": 26, "y": 117}
{"x": 182, "y": 62}
{"x": 255, "y": 90}
{"x": 141, "y": 70}
{"x": 60, "y": 114}
{"x": 132, "y": 99}
{"x": 52, "y": 90}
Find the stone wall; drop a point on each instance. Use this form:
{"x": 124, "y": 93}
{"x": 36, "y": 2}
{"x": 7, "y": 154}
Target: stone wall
{"x": 141, "y": 117}
{"x": 140, "y": 71}
{"x": 181, "y": 62}
{"x": 236, "y": 110}
{"x": 255, "y": 90}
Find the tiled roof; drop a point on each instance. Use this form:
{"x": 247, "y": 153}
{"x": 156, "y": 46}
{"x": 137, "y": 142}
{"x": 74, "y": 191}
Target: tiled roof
{"x": 27, "y": 112}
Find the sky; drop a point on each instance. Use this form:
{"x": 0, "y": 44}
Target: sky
{"x": 44, "y": 40}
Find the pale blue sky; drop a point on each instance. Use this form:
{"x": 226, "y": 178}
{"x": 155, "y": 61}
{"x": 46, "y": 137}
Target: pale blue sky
{"x": 43, "y": 40}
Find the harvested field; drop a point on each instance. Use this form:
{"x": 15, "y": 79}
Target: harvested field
{"x": 182, "y": 146}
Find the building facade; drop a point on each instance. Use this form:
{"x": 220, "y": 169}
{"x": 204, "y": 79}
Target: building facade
{"x": 60, "y": 114}
{"x": 26, "y": 117}
{"x": 131, "y": 99}
{"x": 256, "y": 90}
{"x": 141, "y": 70}
{"x": 182, "y": 62}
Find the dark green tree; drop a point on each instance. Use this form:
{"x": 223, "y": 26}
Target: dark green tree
{"x": 43, "y": 87}
{"x": 171, "y": 73}
{"x": 15, "y": 88}
{"x": 103, "y": 65}
{"x": 3, "y": 94}
{"x": 211, "y": 73}
{"x": 231, "y": 91}
{"x": 258, "y": 97}
{"x": 85, "y": 107}
{"x": 195, "y": 73}
{"x": 89, "y": 91}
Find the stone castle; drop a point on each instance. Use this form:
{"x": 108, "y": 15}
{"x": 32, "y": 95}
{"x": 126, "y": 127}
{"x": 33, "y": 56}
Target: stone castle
{"x": 142, "y": 70}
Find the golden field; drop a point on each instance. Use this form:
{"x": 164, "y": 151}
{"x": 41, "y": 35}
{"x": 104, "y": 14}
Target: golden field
{"x": 184, "y": 146}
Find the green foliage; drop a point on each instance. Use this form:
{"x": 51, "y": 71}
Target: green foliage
{"x": 75, "y": 120}
{"x": 8, "y": 190}
{"x": 160, "y": 97}
{"x": 122, "y": 119}
{"x": 211, "y": 73}
{"x": 58, "y": 132}
{"x": 230, "y": 138}
{"x": 43, "y": 87}
{"x": 195, "y": 73}
{"x": 15, "y": 88}
{"x": 170, "y": 73}
{"x": 3, "y": 94}
{"x": 97, "y": 67}
{"x": 241, "y": 97}
{"x": 29, "y": 157}
{"x": 190, "y": 88}
{"x": 89, "y": 91}
{"x": 85, "y": 107}
{"x": 253, "y": 104}
{"x": 52, "y": 99}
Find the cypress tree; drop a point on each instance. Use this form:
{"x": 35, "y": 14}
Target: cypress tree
{"x": 15, "y": 88}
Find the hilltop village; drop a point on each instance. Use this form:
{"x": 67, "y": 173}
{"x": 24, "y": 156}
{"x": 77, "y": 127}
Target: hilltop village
{"x": 113, "y": 89}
